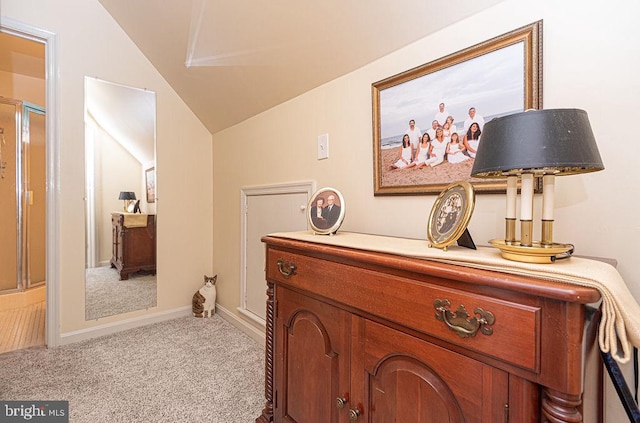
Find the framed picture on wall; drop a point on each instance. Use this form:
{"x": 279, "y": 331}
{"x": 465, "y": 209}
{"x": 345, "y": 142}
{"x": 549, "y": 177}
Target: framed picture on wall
{"x": 150, "y": 182}
{"x": 427, "y": 121}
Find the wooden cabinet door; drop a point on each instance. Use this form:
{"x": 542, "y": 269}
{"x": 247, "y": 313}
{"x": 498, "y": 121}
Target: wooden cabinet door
{"x": 138, "y": 245}
{"x": 312, "y": 359}
{"x": 408, "y": 380}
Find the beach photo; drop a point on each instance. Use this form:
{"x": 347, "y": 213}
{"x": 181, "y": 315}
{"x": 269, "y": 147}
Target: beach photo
{"x": 427, "y": 122}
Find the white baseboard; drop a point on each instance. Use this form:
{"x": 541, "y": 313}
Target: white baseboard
{"x": 114, "y": 327}
{"x": 256, "y": 334}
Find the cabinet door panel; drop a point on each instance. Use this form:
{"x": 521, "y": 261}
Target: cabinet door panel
{"x": 410, "y": 380}
{"x": 313, "y": 359}
{"x": 406, "y": 390}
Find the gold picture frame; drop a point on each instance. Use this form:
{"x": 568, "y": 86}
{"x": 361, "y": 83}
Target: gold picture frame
{"x": 450, "y": 214}
{"x": 150, "y": 184}
{"x": 497, "y": 77}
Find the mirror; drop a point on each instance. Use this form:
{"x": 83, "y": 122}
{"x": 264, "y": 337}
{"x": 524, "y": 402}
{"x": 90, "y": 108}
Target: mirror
{"x": 120, "y": 199}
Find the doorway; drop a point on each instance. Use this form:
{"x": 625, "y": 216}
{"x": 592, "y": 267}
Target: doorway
{"x": 23, "y": 188}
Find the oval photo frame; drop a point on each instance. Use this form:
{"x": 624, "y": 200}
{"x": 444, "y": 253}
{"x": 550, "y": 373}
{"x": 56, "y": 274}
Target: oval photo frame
{"x": 450, "y": 214}
{"x": 325, "y": 211}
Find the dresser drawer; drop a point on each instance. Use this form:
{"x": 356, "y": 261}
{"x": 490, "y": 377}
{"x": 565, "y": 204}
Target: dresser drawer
{"x": 413, "y": 303}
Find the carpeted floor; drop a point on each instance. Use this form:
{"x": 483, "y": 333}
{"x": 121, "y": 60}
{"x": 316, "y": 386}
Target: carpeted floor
{"x": 182, "y": 370}
{"x": 106, "y": 295}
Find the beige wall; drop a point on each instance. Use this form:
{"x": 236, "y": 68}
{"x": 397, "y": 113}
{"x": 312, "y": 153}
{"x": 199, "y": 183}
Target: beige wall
{"x": 21, "y": 87}
{"x": 591, "y": 61}
{"x": 109, "y": 155}
{"x": 587, "y": 65}
{"x": 592, "y": 69}
{"x": 89, "y": 42}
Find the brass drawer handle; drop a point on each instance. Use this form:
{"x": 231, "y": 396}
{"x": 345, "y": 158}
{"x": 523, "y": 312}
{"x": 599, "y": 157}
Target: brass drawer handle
{"x": 287, "y": 269}
{"x": 459, "y": 321}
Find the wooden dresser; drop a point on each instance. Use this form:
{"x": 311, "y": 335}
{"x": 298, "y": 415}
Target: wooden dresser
{"x": 354, "y": 335}
{"x": 134, "y": 246}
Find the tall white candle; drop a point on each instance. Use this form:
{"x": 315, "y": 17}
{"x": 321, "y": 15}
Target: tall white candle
{"x": 548, "y": 193}
{"x": 526, "y": 197}
{"x": 512, "y": 194}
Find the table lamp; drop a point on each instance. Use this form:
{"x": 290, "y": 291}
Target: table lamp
{"x": 535, "y": 144}
{"x": 127, "y": 197}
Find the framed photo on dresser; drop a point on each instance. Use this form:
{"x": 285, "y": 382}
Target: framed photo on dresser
{"x": 450, "y": 214}
{"x": 326, "y": 211}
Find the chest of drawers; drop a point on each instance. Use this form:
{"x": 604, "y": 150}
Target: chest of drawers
{"x": 354, "y": 335}
{"x": 134, "y": 247}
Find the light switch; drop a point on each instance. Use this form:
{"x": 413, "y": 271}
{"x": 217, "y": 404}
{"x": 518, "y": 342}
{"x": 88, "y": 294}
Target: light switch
{"x": 323, "y": 146}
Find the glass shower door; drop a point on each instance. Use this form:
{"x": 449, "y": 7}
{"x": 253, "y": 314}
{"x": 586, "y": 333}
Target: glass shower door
{"x": 22, "y": 195}
{"x": 34, "y": 195}
{"x": 8, "y": 197}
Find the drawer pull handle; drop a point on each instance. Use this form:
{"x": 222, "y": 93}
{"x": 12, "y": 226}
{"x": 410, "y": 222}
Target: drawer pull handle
{"x": 341, "y": 402}
{"x": 287, "y": 269}
{"x": 459, "y": 321}
{"x": 354, "y": 413}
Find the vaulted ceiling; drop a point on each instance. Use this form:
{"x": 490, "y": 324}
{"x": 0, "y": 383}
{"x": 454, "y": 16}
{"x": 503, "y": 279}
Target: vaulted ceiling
{"x": 230, "y": 60}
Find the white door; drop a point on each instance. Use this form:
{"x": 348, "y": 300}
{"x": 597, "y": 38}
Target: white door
{"x": 267, "y": 210}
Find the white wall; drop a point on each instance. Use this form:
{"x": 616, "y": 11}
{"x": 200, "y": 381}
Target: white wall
{"x": 90, "y": 43}
{"x": 591, "y": 59}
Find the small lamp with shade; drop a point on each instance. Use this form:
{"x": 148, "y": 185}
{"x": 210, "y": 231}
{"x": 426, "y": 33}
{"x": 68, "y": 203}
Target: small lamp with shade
{"x": 128, "y": 197}
{"x": 535, "y": 144}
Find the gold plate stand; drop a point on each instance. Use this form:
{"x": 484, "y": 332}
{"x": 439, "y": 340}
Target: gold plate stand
{"x": 536, "y": 253}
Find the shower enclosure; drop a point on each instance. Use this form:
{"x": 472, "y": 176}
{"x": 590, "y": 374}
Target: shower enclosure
{"x": 22, "y": 195}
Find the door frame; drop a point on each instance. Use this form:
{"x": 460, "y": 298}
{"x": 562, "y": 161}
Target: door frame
{"x": 19, "y": 29}
{"x": 301, "y": 187}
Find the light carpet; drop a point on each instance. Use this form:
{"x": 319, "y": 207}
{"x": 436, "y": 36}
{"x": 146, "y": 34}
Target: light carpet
{"x": 106, "y": 295}
{"x": 182, "y": 370}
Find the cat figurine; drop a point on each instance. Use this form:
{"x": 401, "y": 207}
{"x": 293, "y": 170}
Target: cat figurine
{"x": 204, "y": 300}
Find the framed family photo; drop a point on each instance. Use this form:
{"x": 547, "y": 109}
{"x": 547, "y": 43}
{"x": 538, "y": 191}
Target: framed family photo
{"x": 325, "y": 211}
{"x": 427, "y": 121}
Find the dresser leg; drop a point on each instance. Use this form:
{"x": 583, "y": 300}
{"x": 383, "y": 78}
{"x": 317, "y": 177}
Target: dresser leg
{"x": 267, "y": 412}
{"x": 558, "y": 407}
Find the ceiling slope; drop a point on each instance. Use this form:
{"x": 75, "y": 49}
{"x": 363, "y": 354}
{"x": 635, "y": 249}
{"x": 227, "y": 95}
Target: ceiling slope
{"x": 230, "y": 60}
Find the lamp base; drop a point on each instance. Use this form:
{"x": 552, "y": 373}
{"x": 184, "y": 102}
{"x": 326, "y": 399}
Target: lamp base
{"x": 536, "y": 253}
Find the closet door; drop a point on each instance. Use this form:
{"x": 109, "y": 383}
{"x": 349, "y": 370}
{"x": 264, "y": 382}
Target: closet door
{"x": 266, "y": 212}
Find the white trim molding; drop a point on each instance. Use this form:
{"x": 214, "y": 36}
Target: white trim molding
{"x": 20, "y": 29}
{"x": 304, "y": 187}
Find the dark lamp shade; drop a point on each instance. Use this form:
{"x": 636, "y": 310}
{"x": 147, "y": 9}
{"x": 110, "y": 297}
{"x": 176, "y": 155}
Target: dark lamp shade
{"x": 554, "y": 141}
{"x": 127, "y": 195}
